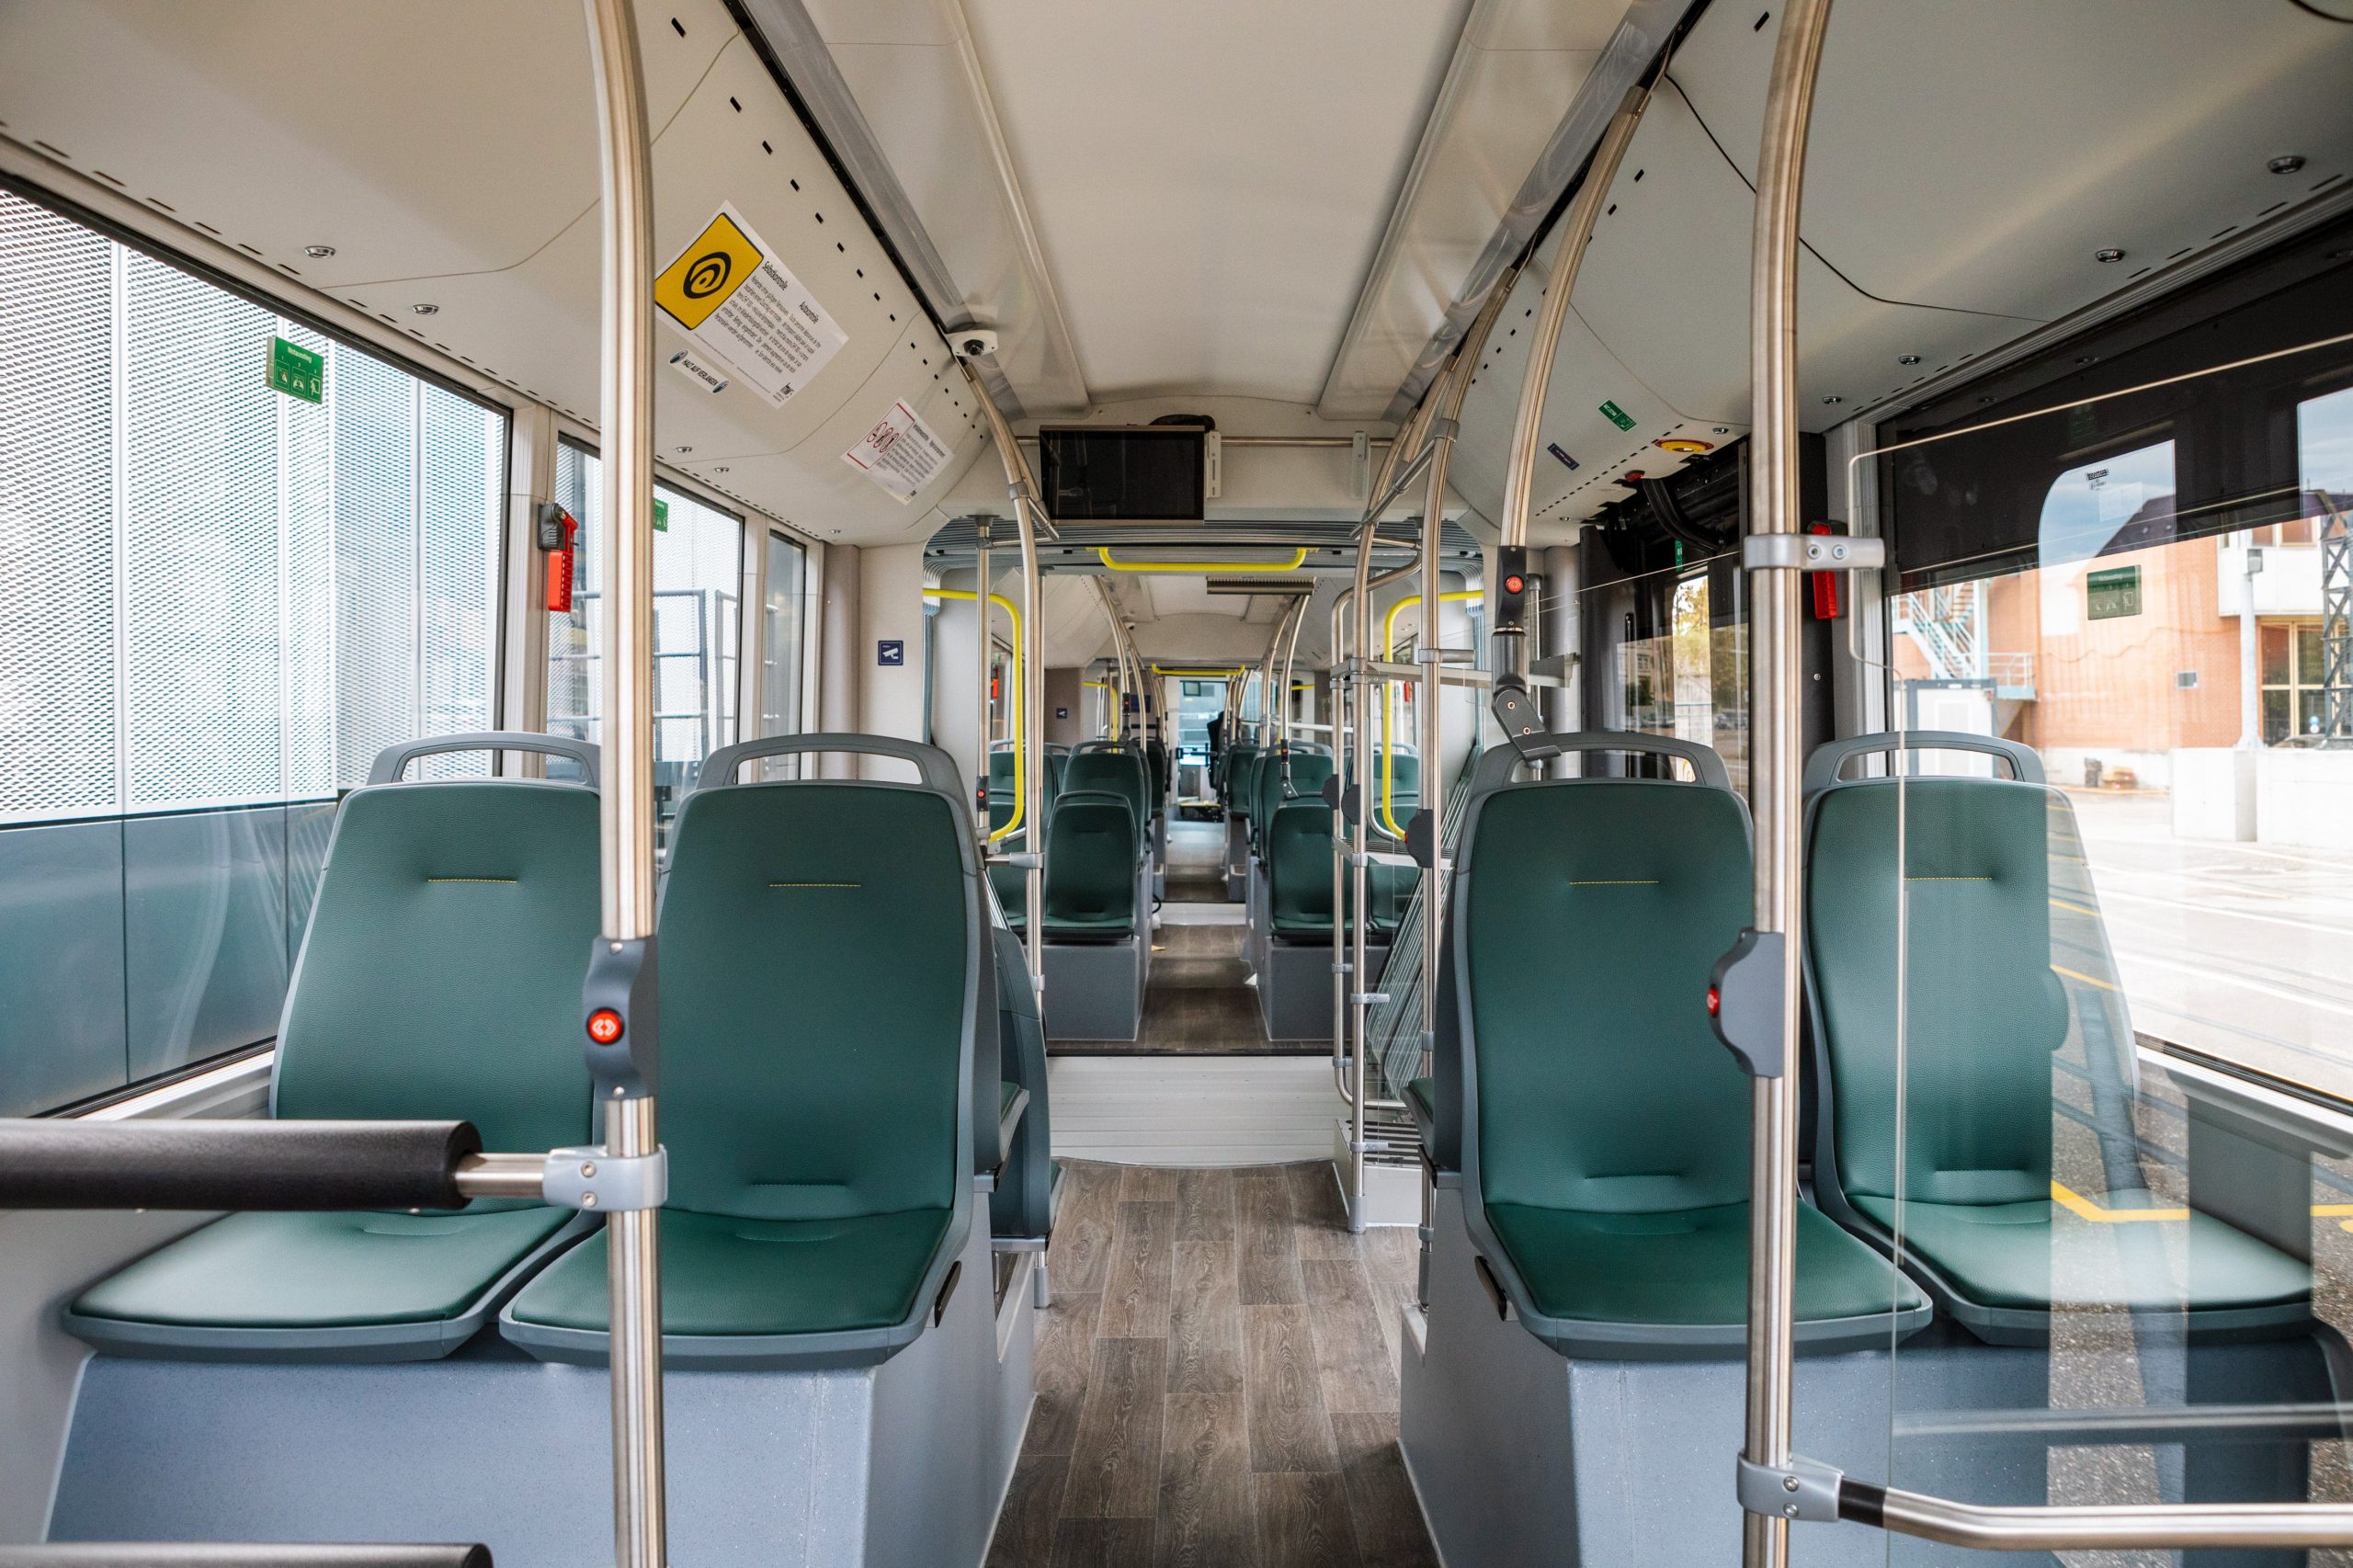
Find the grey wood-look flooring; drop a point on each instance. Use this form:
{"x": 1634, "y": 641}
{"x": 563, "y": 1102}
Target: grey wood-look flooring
{"x": 1217, "y": 1380}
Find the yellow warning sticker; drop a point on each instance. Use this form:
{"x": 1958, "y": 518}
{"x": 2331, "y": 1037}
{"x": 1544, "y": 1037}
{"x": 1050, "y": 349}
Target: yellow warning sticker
{"x": 748, "y": 319}
{"x": 706, "y": 272}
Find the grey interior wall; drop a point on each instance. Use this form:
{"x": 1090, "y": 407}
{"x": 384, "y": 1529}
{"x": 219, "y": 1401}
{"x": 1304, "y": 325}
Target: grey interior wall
{"x": 838, "y": 669}
{"x": 1066, "y": 715}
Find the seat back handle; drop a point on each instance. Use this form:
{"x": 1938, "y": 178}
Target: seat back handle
{"x": 1495, "y": 764}
{"x": 934, "y": 766}
{"x": 1830, "y": 758}
{"x": 392, "y": 761}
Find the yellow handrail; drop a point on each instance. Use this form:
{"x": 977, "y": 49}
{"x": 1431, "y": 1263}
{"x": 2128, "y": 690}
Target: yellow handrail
{"x": 1389, "y": 701}
{"x": 1297, "y": 559}
{"x": 1013, "y": 711}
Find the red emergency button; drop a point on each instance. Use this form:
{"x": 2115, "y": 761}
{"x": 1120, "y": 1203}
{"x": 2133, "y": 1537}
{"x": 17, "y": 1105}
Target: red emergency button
{"x": 1515, "y": 583}
{"x": 1715, "y": 1002}
{"x": 604, "y": 1024}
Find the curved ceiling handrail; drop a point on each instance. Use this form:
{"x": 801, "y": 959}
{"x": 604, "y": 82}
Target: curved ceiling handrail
{"x": 1103, "y": 554}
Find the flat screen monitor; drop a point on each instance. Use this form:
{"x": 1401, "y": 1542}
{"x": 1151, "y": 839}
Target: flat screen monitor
{"x": 1106, "y": 474}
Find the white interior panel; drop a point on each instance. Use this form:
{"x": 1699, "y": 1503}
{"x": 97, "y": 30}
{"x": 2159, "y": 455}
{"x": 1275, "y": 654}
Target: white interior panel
{"x": 1209, "y": 180}
{"x": 1978, "y": 155}
{"x": 392, "y": 132}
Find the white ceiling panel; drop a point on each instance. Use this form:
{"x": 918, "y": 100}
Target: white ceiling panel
{"x": 1978, "y": 155}
{"x": 1209, "y": 181}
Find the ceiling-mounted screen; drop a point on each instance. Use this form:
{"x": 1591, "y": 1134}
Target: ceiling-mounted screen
{"x": 1118, "y": 473}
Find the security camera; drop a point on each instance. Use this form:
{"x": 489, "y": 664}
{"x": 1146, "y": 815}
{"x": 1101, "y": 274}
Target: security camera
{"x": 974, "y": 342}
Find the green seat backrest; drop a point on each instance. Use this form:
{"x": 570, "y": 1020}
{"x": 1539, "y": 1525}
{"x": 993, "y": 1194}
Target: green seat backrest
{"x": 819, "y": 952}
{"x": 1156, "y": 754}
{"x": 1405, "y": 784}
{"x": 1001, "y": 770}
{"x": 1091, "y": 863}
{"x": 1308, "y": 771}
{"x": 1241, "y": 775}
{"x": 1121, "y": 773}
{"x": 1591, "y": 913}
{"x": 1011, "y": 884}
{"x": 1299, "y": 867}
{"x": 1985, "y": 1011}
{"x": 440, "y": 976}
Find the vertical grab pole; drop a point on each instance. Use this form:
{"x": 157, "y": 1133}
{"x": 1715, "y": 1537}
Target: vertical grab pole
{"x": 1023, "y": 491}
{"x": 981, "y": 639}
{"x": 621, "y": 969}
{"x": 1775, "y": 693}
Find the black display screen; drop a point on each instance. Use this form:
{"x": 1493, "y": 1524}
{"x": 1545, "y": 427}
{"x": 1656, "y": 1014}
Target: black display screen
{"x": 1124, "y": 473}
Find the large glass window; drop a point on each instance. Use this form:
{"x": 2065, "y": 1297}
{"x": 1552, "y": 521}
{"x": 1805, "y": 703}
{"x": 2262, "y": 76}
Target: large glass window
{"x": 2175, "y": 689}
{"x": 697, "y": 567}
{"x": 218, "y": 602}
{"x": 783, "y": 628}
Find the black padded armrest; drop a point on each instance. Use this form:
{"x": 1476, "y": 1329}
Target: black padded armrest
{"x": 236, "y": 1554}
{"x": 280, "y": 1165}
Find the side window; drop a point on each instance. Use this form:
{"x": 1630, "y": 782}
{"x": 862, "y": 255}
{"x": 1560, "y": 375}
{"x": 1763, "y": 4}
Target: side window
{"x": 697, "y": 563}
{"x": 222, "y": 593}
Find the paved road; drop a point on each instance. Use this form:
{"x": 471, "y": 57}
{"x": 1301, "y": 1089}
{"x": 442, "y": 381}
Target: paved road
{"x": 2244, "y": 950}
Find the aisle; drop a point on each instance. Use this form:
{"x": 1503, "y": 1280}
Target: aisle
{"x": 1217, "y": 1380}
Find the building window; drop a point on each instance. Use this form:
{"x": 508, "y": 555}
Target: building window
{"x": 218, "y": 602}
{"x": 2291, "y": 667}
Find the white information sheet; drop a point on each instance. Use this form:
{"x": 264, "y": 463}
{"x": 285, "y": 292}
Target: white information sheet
{"x": 900, "y": 453}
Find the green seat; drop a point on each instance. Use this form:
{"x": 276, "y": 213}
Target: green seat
{"x": 1602, "y": 1130}
{"x": 821, "y": 954}
{"x": 1120, "y": 772}
{"x": 1023, "y": 1204}
{"x": 1091, "y": 868}
{"x": 1298, "y": 872}
{"x": 440, "y": 978}
{"x": 1986, "y": 1012}
{"x": 1271, "y": 789}
{"x": 727, "y": 1280}
{"x": 1421, "y": 1104}
{"x": 1241, "y": 777}
{"x": 1011, "y": 884}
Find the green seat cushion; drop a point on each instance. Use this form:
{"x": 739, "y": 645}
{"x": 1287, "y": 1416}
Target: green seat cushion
{"x": 1998, "y": 1255}
{"x": 291, "y": 1271}
{"x": 725, "y": 1277}
{"x": 1685, "y": 1268}
{"x": 1421, "y": 1096}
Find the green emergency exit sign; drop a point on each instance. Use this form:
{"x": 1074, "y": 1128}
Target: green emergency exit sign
{"x": 661, "y": 515}
{"x": 297, "y": 372}
{"x": 2113, "y": 593}
{"x": 1617, "y": 415}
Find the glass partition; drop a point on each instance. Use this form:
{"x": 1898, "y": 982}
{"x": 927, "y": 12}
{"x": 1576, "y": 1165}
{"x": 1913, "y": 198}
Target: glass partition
{"x": 2081, "y": 1053}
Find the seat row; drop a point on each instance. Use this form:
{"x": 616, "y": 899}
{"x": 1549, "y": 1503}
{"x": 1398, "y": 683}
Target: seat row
{"x": 843, "y": 1047}
{"x": 1105, "y": 825}
{"x": 1599, "y": 1132}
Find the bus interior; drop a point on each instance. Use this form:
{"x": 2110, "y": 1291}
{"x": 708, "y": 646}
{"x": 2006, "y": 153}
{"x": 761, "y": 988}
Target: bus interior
{"x": 1366, "y": 782}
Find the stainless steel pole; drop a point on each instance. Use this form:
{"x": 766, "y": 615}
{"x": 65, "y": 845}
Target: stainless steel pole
{"x": 1775, "y": 694}
{"x": 984, "y": 653}
{"x": 626, "y": 801}
{"x": 1026, "y": 515}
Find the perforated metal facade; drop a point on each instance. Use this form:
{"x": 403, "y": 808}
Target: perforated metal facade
{"x": 213, "y": 594}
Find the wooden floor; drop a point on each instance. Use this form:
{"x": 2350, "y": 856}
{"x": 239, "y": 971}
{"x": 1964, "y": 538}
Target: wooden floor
{"x": 1217, "y": 1378}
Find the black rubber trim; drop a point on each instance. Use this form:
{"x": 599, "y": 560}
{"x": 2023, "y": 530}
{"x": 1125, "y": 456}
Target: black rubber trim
{"x": 1860, "y": 1503}
{"x": 946, "y": 1290}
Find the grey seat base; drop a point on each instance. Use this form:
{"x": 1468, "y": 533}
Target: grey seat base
{"x": 1237, "y": 859}
{"x": 1521, "y": 1455}
{"x": 1295, "y": 986}
{"x": 1094, "y": 990}
{"x": 904, "y": 1464}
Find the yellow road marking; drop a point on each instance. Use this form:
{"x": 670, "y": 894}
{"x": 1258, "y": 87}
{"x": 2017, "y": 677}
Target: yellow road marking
{"x": 2087, "y": 980}
{"x": 2078, "y": 1204}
